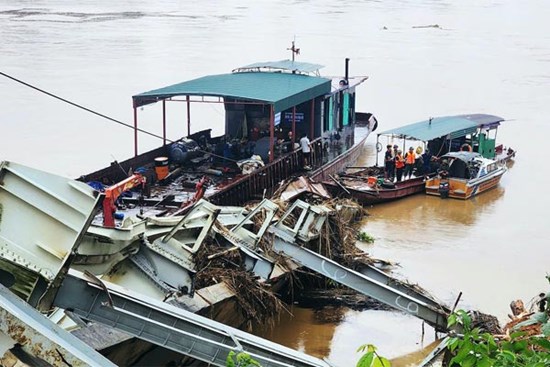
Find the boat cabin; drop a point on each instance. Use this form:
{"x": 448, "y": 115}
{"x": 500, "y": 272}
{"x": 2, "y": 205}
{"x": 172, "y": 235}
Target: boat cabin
{"x": 468, "y": 165}
{"x": 268, "y": 107}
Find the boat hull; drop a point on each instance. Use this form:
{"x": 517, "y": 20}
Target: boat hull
{"x": 370, "y": 196}
{"x": 464, "y": 189}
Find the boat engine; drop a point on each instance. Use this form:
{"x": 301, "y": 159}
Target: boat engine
{"x": 183, "y": 150}
{"x": 444, "y": 189}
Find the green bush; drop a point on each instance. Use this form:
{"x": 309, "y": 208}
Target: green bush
{"x": 478, "y": 349}
{"x": 365, "y": 237}
{"x": 240, "y": 360}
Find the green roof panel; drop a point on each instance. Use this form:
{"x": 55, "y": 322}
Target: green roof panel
{"x": 455, "y": 126}
{"x": 283, "y": 90}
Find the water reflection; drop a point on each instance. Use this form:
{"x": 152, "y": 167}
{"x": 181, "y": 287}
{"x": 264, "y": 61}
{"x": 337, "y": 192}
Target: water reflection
{"x": 305, "y": 330}
{"x": 336, "y": 333}
{"x": 426, "y": 209}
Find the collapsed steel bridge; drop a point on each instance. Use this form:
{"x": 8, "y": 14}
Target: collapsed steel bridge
{"x": 45, "y": 251}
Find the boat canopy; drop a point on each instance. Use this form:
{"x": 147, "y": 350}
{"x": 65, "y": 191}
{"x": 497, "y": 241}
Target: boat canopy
{"x": 283, "y": 65}
{"x": 448, "y": 126}
{"x": 463, "y": 156}
{"x": 282, "y": 90}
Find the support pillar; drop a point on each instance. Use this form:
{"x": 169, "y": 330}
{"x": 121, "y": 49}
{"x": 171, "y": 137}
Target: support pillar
{"x": 164, "y": 122}
{"x": 312, "y": 120}
{"x": 135, "y": 132}
{"x": 271, "y": 133}
{"x": 188, "y": 116}
{"x": 293, "y": 127}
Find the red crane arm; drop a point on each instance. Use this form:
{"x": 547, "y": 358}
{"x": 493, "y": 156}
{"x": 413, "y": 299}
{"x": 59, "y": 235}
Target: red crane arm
{"x": 113, "y": 192}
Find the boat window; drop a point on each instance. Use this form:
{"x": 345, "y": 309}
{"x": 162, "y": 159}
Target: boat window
{"x": 459, "y": 169}
{"x": 474, "y": 168}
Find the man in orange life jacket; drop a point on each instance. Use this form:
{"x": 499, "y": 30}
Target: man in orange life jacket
{"x": 399, "y": 165}
{"x": 410, "y": 159}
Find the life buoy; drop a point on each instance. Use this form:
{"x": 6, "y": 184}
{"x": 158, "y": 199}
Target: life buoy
{"x": 466, "y": 148}
{"x": 378, "y": 147}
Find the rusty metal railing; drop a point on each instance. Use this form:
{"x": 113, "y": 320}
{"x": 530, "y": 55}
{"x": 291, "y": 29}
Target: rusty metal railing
{"x": 268, "y": 177}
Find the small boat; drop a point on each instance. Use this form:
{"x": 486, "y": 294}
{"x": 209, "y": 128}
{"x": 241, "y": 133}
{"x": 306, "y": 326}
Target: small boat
{"x": 373, "y": 190}
{"x": 472, "y": 132}
{"x": 468, "y": 174}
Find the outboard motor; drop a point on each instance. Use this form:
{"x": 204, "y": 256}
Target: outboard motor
{"x": 444, "y": 189}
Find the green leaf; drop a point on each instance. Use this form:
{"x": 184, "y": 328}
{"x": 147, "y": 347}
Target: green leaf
{"x": 365, "y": 360}
{"x": 381, "y": 362}
{"x": 520, "y": 345}
{"x": 230, "y": 361}
{"x": 542, "y": 342}
{"x": 485, "y": 362}
{"x": 517, "y": 334}
{"x": 453, "y": 343}
{"x": 451, "y": 321}
{"x": 509, "y": 356}
{"x": 361, "y": 348}
{"x": 466, "y": 321}
{"x": 469, "y": 361}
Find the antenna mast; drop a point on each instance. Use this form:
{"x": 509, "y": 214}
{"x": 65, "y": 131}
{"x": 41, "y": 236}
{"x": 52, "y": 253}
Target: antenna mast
{"x": 295, "y": 51}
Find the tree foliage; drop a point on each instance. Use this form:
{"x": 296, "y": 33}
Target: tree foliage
{"x": 480, "y": 349}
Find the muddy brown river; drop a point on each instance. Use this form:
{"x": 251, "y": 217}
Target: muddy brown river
{"x": 424, "y": 58}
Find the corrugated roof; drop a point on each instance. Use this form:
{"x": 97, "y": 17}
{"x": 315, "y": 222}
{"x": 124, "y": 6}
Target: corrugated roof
{"x": 283, "y": 90}
{"x": 304, "y": 67}
{"x": 436, "y": 127}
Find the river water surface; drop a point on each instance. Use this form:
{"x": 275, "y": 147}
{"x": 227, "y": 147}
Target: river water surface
{"x": 485, "y": 56}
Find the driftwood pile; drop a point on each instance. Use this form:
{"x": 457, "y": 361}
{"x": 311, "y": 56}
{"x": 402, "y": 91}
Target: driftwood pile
{"x": 218, "y": 264}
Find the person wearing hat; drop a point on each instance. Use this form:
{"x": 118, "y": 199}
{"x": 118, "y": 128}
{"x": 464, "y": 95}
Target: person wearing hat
{"x": 410, "y": 159}
{"x": 389, "y": 166}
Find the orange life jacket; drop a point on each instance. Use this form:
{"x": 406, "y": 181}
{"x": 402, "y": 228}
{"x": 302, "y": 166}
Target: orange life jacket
{"x": 410, "y": 157}
{"x": 399, "y": 161}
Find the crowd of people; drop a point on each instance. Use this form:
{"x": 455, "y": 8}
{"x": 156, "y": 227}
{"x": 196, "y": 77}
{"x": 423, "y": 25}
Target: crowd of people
{"x": 399, "y": 166}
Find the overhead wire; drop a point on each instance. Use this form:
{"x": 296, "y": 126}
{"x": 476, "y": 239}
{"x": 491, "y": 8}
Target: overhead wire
{"x": 99, "y": 114}
{"x": 82, "y": 107}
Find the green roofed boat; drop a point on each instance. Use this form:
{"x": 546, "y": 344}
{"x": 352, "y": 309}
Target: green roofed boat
{"x": 269, "y": 107}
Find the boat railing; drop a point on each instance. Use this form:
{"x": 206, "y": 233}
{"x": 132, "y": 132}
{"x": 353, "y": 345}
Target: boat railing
{"x": 264, "y": 180}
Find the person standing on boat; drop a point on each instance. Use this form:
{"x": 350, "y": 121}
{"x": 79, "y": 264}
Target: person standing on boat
{"x": 399, "y": 165}
{"x": 305, "y": 144}
{"x": 389, "y": 163}
{"x": 410, "y": 159}
{"x": 427, "y": 161}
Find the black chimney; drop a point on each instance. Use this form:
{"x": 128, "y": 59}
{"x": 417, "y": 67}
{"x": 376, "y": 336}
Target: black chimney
{"x": 347, "y": 70}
